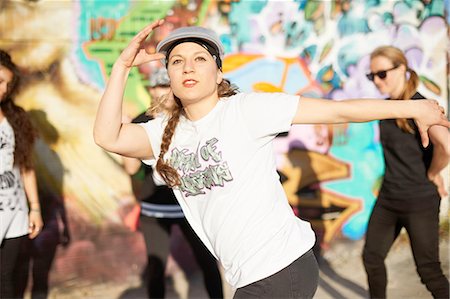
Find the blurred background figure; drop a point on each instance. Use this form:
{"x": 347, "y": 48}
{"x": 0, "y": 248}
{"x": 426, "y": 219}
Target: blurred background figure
{"x": 160, "y": 211}
{"x": 412, "y": 187}
{"x": 37, "y": 255}
{"x": 18, "y": 219}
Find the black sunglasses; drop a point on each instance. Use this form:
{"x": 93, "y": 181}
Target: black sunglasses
{"x": 380, "y": 74}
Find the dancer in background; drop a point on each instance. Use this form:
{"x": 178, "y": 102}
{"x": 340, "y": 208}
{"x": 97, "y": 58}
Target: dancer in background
{"x": 20, "y": 212}
{"x": 412, "y": 187}
{"x": 215, "y": 150}
{"x": 160, "y": 211}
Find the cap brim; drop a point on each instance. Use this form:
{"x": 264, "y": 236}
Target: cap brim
{"x": 166, "y": 43}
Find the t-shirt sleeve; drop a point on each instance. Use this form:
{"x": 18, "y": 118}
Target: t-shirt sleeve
{"x": 268, "y": 114}
{"x": 154, "y": 129}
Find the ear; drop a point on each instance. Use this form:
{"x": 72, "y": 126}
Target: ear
{"x": 219, "y": 76}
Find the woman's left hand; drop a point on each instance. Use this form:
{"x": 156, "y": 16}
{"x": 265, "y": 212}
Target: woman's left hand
{"x": 430, "y": 113}
{"x": 35, "y": 223}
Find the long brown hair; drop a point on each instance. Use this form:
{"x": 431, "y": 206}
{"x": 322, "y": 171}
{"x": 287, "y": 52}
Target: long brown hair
{"x": 397, "y": 58}
{"x": 169, "y": 174}
{"x": 24, "y": 133}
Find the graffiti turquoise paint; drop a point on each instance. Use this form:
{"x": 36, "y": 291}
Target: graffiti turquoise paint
{"x": 89, "y": 69}
{"x": 330, "y": 53}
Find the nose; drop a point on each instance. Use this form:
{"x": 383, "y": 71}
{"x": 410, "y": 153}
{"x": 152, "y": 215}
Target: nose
{"x": 377, "y": 80}
{"x": 188, "y": 66}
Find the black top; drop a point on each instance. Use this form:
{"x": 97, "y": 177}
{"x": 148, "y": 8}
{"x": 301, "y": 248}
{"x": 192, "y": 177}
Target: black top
{"x": 144, "y": 187}
{"x": 405, "y": 185}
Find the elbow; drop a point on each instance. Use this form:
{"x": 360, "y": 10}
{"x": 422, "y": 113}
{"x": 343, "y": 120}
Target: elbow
{"x": 99, "y": 140}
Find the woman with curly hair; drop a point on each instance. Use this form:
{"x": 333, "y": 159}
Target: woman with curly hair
{"x": 19, "y": 219}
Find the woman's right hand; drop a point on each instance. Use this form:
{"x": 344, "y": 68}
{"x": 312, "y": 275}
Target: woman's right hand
{"x": 430, "y": 113}
{"x": 137, "y": 52}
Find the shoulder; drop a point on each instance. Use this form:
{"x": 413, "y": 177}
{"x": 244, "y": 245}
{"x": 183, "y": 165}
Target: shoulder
{"x": 417, "y": 96}
{"x": 261, "y": 96}
{"x": 142, "y": 118}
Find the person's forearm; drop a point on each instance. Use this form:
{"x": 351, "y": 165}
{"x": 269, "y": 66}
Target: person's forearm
{"x": 372, "y": 109}
{"x": 30, "y": 186}
{"x": 312, "y": 110}
{"x": 109, "y": 115}
{"x": 440, "y": 160}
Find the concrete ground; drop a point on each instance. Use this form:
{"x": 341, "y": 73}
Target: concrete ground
{"x": 341, "y": 276}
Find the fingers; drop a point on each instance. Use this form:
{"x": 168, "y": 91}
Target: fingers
{"x": 34, "y": 230}
{"x": 143, "y": 34}
{"x": 443, "y": 119}
{"x": 424, "y": 137}
{"x": 158, "y": 56}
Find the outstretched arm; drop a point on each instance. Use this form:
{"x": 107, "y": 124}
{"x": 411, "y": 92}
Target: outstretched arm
{"x": 109, "y": 132}
{"x": 424, "y": 112}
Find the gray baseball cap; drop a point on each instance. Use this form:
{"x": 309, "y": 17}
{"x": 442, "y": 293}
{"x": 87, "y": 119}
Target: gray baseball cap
{"x": 191, "y": 32}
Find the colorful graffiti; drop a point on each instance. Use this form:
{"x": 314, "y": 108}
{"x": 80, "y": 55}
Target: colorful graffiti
{"x": 331, "y": 174}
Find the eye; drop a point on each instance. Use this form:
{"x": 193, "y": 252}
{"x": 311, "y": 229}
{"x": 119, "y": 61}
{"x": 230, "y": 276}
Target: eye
{"x": 200, "y": 58}
{"x": 176, "y": 61}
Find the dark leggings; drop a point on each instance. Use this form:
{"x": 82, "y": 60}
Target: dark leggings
{"x": 157, "y": 240}
{"x": 9, "y": 253}
{"x": 423, "y": 230}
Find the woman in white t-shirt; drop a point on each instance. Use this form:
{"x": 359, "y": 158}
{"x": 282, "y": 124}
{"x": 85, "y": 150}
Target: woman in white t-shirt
{"x": 215, "y": 151}
{"x": 18, "y": 219}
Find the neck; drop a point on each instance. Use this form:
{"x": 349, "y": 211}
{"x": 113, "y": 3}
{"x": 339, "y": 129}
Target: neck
{"x": 199, "y": 109}
{"x": 397, "y": 93}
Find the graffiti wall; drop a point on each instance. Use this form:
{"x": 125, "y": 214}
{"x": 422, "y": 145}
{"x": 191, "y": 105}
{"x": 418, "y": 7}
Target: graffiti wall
{"x": 331, "y": 174}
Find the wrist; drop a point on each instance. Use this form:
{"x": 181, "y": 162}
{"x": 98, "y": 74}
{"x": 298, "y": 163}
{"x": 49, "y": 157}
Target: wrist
{"x": 415, "y": 109}
{"x": 120, "y": 67}
{"x": 431, "y": 176}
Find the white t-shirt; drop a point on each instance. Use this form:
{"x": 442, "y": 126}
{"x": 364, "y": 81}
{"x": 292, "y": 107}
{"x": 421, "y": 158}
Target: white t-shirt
{"x": 13, "y": 203}
{"x": 231, "y": 193}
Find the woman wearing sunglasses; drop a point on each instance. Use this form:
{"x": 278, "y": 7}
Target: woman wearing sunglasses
{"x": 412, "y": 186}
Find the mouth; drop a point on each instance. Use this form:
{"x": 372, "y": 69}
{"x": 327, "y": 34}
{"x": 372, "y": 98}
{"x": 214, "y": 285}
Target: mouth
{"x": 189, "y": 83}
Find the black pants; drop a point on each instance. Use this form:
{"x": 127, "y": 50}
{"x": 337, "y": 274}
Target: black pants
{"x": 38, "y": 255}
{"x": 157, "y": 240}
{"x": 9, "y": 253}
{"x": 298, "y": 280}
{"x": 423, "y": 230}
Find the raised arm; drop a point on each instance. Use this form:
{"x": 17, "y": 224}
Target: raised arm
{"x": 321, "y": 111}
{"x": 109, "y": 132}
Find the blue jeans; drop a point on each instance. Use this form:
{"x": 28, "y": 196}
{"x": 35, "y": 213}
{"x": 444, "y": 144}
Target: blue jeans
{"x": 298, "y": 280}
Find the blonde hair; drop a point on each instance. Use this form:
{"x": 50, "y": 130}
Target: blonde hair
{"x": 169, "y": 174}
{"x": 397, "y": 58}
{"x": 157, "y": 105}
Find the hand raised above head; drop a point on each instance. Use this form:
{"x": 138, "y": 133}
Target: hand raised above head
{"x": 137, "y": 52}
{"x": 430, "y": 114}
